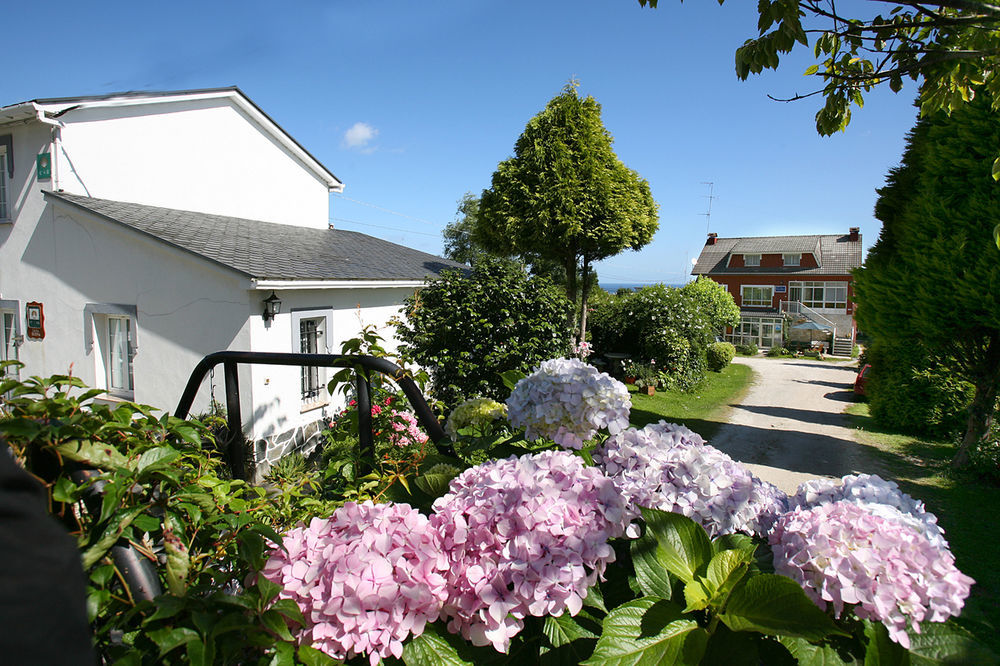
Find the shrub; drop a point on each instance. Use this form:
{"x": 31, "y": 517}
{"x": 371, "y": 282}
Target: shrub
{"x": 909, "y": 392}
{"x": 775, "y": 352}
{"x": 470, "y": 326}
{"x": 720, "y": 354}
{"x": 747, "y": 349}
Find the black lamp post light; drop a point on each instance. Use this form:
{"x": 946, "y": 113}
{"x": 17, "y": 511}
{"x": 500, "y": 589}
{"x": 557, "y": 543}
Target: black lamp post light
{"x": 272, "y": 306}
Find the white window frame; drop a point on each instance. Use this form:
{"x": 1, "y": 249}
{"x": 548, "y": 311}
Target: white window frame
{"x": 828, "y": 303}
{"x": 324, "y": 317}
{"x": 754, "y": 261}
{"x": 4, "y": 188}
{"x": 10, "y": 335}
{"x": 756, "y": 303}
{"x": 792, "y": 258}
{"x": 97, "y": 318}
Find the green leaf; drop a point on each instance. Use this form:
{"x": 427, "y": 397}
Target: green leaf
{"x": 166, "y": 606}
{"x": 161, "y": 454}
{"x": 284, "y": 655}
{"x": 434, "y": 485}
{"x": 725, "y": 571}
{"x": 436, "y": 648}
{"x": 882, "y": 650}
{"x": 740, "y": 542}
{"x": 947, "y": 643}
{"x": 111, "y": 534}
{"x": 275, "y": 621}
{"x": 777, "y": 606}
{"x": 648, "y": 631}
{"x": 732, "y": 648}
{"x": 996, "y": 233}
{"x": 64, "y": 490}
{"x": 811, "y": 70}
{"x": 996, "y": 169}
{"x": 310, "y": 656}
{"x": 811, "y": 654}
{"x": 569, "y": 643}
{"x": 511, "y": 378}
{"x": 289, "y": 609}
{"x": 168, "y": 638}
{"x": 95, "y": 454}
{"x": 684, "y": 545}
{"x": 696, "y": 596}
{"x": 652, "y": 576}
{"x": 200, "y": 653}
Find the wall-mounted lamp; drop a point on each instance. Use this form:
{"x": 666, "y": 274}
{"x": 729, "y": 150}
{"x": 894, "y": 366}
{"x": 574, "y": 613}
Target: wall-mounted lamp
{"x": 272, "y": 306}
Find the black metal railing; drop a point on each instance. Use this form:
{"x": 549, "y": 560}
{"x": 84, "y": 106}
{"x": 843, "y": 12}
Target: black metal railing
{"x": 363, "y": 366}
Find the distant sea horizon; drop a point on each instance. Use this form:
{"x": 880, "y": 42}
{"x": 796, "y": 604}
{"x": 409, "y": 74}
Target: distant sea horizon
{"x": 613, "y": 287}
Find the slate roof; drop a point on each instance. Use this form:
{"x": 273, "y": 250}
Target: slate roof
{"x": 269, "y": 251}
{"x": 836, "y": 255}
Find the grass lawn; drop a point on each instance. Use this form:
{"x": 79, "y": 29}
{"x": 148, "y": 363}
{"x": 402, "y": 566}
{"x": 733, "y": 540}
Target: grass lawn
{"x": 703, "y": 410}
{"x": 966, "y": 508}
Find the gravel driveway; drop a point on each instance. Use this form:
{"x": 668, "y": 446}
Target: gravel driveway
{"x": 789, "y": 428}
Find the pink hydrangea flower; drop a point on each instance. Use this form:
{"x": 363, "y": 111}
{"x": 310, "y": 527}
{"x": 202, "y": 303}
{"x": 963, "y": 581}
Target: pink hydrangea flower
{"x": 846, "y": 556}
{"x": 365, "y": 579}
{"x": 668, "y": 467}
{"x": 524, "y": 536}
{"x": 568, "y": 401}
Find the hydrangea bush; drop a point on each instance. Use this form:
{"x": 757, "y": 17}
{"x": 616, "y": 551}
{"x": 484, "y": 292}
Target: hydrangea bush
{"x": 568, "y": 401}
{"x": 668, "y": 467}
{"x": 524, "y": 536}
{"x": 846, "y": 556}
{"x": 365, "y": 578}
{"x": 475, "y": 413}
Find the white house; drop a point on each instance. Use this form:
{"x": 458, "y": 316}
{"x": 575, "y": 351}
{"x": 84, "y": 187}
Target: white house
{"x": 147, "y": 229}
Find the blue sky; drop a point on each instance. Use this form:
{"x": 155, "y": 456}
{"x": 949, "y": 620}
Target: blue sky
{"x": 413, "y": 104}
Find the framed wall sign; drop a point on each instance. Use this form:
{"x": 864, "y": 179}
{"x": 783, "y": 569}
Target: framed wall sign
{"x": 35, "y": 318}
{"x": 43, "y": 166}
{"x": 779, "y": 289}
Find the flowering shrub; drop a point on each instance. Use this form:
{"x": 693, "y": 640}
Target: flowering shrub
{"x": 524, "y": 536}
{"x": 583, "y": 350}
{"x": 844, "y": 555}
{"x": 365, "y": 579}
{"x": 668, "y": 467}
{"x": 476, "y": 413}
{"x": 568, "y": 401}
{"x": 875, "y": 494}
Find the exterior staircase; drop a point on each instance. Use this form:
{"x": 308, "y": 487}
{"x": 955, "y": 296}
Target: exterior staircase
{"x": 842, "y": 346}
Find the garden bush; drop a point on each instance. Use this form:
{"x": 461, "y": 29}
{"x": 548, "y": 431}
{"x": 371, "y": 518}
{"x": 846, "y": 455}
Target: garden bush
{"x": 468, "y": 328}
{"x": 671, "y": 327}
{"x": 747, "y": 349}
{"x": 777, "y": 352}
{"x": 720, "y": 354}
{"x": 643, "y": 546}
{"x": 909, "y": 392}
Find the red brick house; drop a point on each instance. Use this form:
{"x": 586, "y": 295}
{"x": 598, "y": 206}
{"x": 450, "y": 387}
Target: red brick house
{"x": 780, "y": 282}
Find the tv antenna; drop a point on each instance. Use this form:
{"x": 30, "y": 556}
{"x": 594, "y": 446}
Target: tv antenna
{"x": 710, "y": 196}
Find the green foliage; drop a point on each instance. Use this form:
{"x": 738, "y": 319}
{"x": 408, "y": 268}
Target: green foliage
{"x": 469, "y": 327}
{"x": 952, "y": 47}
{"x": 749, "y": 349}
{"x": 715, "y": 302}
{"x": 778, "y": 352}
{"x": 460, "y": 243}
{"x": 912, "y": 393}
{"x": 160, "y": 493}
{"x": 931, "y": 279}
{"x": 565, "y": 196}
{"x": 984, "y": 458}
{"x": 670, "y": 326}
{"x": 720, "y": 354}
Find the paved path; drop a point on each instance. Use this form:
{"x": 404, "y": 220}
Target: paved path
{"x": 790, "y": 428}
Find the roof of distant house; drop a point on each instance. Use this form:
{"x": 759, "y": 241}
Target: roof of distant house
{"x": 53, "y": 108}
{"x": 269, "y": 251}
{"x": 836, "y": 255}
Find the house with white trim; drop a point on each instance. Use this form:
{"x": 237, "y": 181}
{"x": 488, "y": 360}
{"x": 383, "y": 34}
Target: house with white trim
{"x": 141, "y": 231}
{"x": 780, "y": 282}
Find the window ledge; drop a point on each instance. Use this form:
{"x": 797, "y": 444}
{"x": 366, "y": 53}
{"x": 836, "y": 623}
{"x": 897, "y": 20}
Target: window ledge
{"x": 310, "y": 406}
{"x": 114, "y": 399}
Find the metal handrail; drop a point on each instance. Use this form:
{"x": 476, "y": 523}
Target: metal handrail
{"x": 800, "y": 308}
{"x": 362, "y": 366}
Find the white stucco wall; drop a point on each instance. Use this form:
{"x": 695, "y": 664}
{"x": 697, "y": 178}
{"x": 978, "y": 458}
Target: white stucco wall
{"x": 185, "y": 307}
{"x": 277, "y": 390}
{"x": 203, "y": 155}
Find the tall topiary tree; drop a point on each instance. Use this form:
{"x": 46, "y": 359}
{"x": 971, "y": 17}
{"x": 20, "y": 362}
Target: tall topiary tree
{"x": 932, "y": 278}
{"x": 470, "y": 326}
{"x": 566, "y": 197}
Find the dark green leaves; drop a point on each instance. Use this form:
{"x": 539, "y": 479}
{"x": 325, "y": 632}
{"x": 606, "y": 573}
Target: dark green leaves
{"x": 776, "y": 605}
{"x": 684, "y": 545}
{"x": 649, "y": 631}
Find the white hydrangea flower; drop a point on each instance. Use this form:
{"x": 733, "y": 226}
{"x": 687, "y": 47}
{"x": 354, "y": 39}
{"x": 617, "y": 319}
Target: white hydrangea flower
{"x": 568, "y": 401}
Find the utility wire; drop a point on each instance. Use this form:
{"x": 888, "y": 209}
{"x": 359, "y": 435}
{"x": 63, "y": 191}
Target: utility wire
{"x": 380, "y": 226}
{"x": 387, "y": 210}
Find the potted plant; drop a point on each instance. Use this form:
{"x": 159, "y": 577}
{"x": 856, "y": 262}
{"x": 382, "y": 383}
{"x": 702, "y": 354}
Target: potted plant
{"x": 630, "y": 370}
{"x": 646, "y": 378}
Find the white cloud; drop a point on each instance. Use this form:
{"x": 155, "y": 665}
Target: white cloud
{"x": 359, "y": 135}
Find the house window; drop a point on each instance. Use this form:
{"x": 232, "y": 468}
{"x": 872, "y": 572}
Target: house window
{"x": 311, "y": 334}
{"x": 751, "y": 260}
{"x": 757, "y": 297}
{"x": 4, "y": 209}
{"x": 119, "y": 356}
{"x": 8, "y": 338}
{"x": 792, "y": 259}
{"x": 820, "y": 295}
{"x": 113, "y": 330}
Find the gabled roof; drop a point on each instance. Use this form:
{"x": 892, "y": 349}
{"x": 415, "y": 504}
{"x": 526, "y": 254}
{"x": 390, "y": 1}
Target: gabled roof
{"x": 50, "y": 109}
{"x": 268, "y": 251}
{"x": 836, "y": 255}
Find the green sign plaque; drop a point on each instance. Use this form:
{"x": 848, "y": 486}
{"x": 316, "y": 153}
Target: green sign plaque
{"x": 43, "y": 169}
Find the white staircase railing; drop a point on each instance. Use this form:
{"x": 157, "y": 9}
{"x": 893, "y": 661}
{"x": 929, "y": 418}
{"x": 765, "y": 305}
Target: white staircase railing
{"x": 795, "y": 307}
